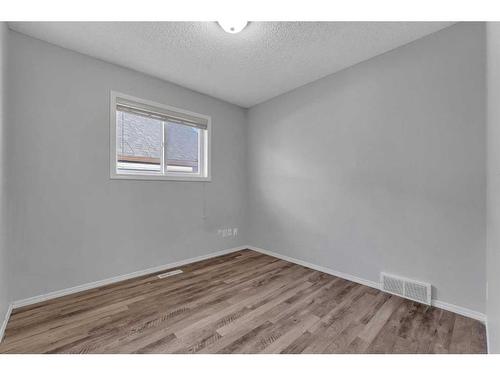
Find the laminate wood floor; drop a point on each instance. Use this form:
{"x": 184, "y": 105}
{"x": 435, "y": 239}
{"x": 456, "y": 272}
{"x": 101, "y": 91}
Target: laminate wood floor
{"x": 244, "y": 302}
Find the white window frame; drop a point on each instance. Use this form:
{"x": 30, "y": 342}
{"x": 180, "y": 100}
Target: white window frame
{"x": 205, "y": 147}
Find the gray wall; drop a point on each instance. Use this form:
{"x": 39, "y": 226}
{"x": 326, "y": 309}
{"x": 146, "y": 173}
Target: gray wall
{"x": 4, "y": 292}
{"x": 493, "y": 215}
{"x": 381, "y": 167}
{"x": 68, "y": 222}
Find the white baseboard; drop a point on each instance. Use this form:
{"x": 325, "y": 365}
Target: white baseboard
{"x": 115, "y": 279}
{"x": 373, "y": 284}
{"x": 329, "y": 271}
{"x": 5, "y": 321}
{"x": 460, "y": 310}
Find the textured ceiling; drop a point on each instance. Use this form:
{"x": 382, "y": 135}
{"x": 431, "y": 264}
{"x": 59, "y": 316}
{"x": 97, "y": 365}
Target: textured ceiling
{"x": 264, "y": 60}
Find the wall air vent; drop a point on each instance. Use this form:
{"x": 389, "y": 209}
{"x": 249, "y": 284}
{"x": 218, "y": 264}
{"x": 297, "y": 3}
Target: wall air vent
{"x": 406, "y": 288}
{"x": 167, "y": 274}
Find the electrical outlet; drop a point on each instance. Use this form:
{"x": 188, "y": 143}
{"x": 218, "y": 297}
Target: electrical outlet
{"x": 227, "y": 232}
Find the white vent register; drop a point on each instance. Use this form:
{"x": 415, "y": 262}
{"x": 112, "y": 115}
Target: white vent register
{"x": 406, "y": 288}
{"x": 168, "y": 274}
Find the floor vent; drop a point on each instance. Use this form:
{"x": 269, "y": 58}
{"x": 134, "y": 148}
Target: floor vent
{"x": 168, "y": 274}
{"x": 411, "y": 289}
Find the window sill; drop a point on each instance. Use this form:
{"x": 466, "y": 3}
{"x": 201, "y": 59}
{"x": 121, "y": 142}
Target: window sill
{"x": 115, "y": 176}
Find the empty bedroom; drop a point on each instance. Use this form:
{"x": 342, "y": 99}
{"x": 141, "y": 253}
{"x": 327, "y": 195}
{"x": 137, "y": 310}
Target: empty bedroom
{"x": 288, "y": 186}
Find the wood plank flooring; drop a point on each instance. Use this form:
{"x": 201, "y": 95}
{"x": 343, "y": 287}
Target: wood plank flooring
{"x": 244, "y": 302}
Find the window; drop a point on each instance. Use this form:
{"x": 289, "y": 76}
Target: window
{"x": 156, "y": 142}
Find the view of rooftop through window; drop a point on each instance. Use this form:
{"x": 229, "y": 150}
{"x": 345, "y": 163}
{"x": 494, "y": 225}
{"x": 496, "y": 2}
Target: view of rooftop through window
{"x": 139, "y": 141}
{"x": 182, "y": 148}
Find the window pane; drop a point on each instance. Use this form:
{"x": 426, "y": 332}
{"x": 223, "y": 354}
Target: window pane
{"x": 138, "y": 143}
{"x": 182, "y": 148}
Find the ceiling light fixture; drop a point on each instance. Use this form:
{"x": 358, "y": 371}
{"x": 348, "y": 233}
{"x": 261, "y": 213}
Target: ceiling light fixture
{"x": 232, "y": 27}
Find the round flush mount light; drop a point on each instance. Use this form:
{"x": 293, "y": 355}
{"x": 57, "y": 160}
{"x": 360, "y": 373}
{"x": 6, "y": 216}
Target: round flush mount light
{"x": 232, "y": 27}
